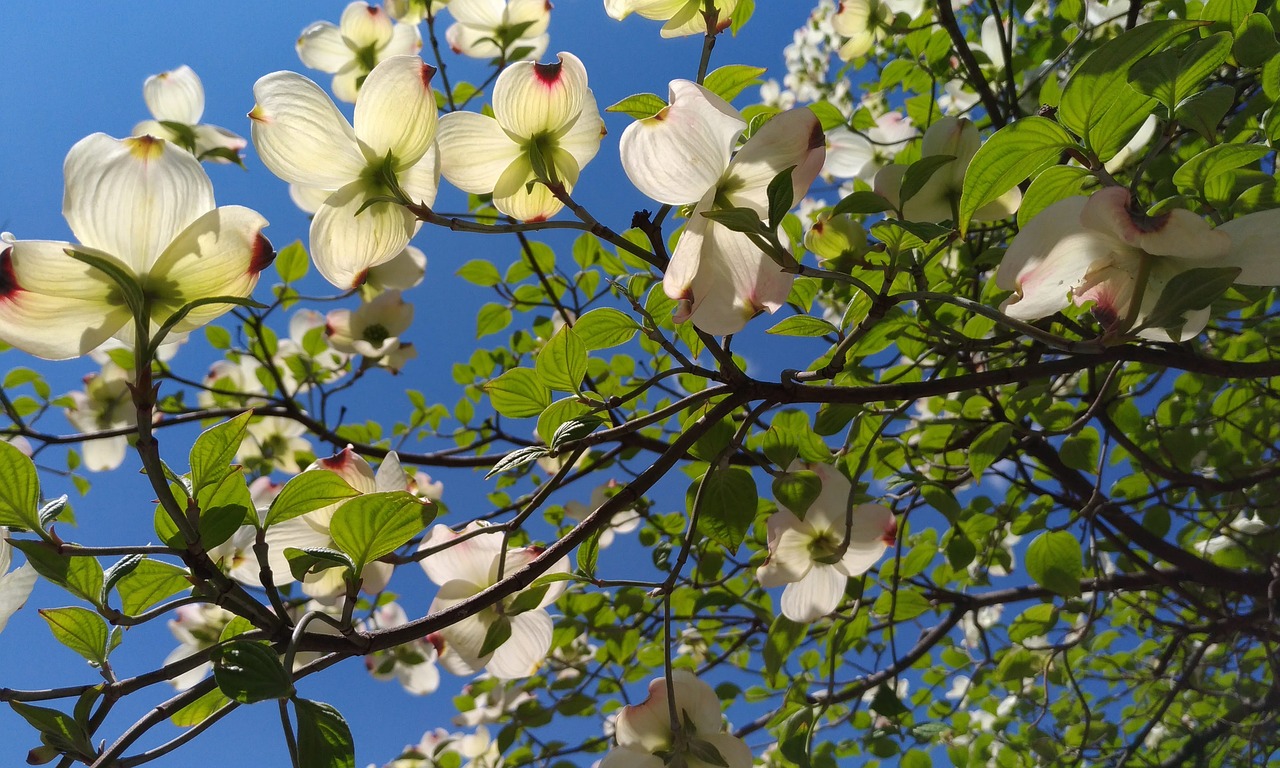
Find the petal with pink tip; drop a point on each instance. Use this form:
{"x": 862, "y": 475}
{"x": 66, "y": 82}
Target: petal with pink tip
{"x": 365, "y": 26}
{"x": 1176, "y": 233}
{"x": 176, "y": 95}
{"x": 531, "y": 99}
{"x": 678, "y": 154}
{"x": 396, "y": 112}
{"x": 535, "y": 13}
{"x": 131, "y": 197}
{"x": 300, "y": 135}
{"x": 793, "y": 138}
{"x": 474, "y": 151}
{"x": 735, "y": 282}
{"x": 346, "y": 241}
{"x": 1049, "y": 258}
{"x": 873, "y": 529}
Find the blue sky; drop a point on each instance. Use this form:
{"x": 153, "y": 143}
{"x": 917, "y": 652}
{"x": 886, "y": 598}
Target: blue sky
{"x": 68, "y": 72}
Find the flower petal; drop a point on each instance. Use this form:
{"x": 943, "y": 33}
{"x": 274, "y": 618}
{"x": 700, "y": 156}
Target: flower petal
{"x": 300, "y": 135}
{"x": 346, "y": 241}
{"x": 15, "y": 588}
{"x": 176, "y": 96}
{"x": 131, "y": 197}
{"x": 583, "y": 139}
{"x": 530, "y": 99}
{"x": 793, "y": 138}
{"x": 873, "y": 530}
{"x": 1049, "y": 258}
{"x": 1255, "y": 247}
{"x": 474, "y": 151}
{"x": 396, "y": 112}
{"x": 471, "y": 560}
{"x": 52, "y": 305}
{"x": 1178, "y": 233}
{"x": 526, "y": 649}
{"x": 365, "y": 26}
{"x": 321, "y": 46}
{"x": 814, "y": 596}
{"x": 735, "y": 282}
{"x": 678, "y": 154}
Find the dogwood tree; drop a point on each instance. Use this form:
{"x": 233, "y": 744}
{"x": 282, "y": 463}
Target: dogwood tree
{"x": 924, "y": 415}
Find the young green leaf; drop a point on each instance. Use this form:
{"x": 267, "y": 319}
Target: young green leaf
{"x": 1054, "y": 560}
{"x": 19, "y": 490}
{"x": 324, "y": 739}
{"x": 307, "y": 492}
{"x": 562, "y": 363}
{"x": 518, "y": 393}
{"x": 81, "y": 630}
{"x": 1013, "y": 154}
{"x": 376, "y": 524}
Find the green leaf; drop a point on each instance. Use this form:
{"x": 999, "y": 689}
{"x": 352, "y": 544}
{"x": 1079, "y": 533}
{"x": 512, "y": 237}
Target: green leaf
{"x": 558, "y": 413}
{"x": 149, "y": 582}
{"x": 988, "y": 446}
{"x": 518, "y": 393}
{"x": 784, "y": 637}
{"x": 640, "y": 105}
{"x": 574, "y": 429}
{"x": 604, "y": 328}
{"x": 861, "y": 202}
{"x": 518, "y": 458}
{"x": 1013, "y": 154}
{"x": 324, "y": 740}
{"x": 304, "y": 562}
{"x": 919, "y": 173}
{"x": 1080, "y": 451}
{"x": 199, "y": 710}
{"x": 1054, "y": 184}
{"x": 1231, "y": 11}
{"x": 119, "y": 274}
{"x": 1033, "y": 622}
{"x": 224, "y": 508}
{"x": 886, "y": 702}
{"x": 250, "y": 672}
{"x": 57, "y": 729}
{"x": 781, "y": 196}
{"x": 562, "y": 363}
{"x": 1255, "y": 41}
{"x": 81, "y": 630}
{"x": 78, "y": 574}
{"x": 1201, "y": 112}
{"x": 907, "y": 604}
{"x": 1188, "y": 291}
{"x": 741, "y": 15}
{"x": 1169, "y": 77}
{"x": 1054, "y": 561}
{"x": 728, "y": 506}
{"x": 737, "y": 219}
{"x": 803, "y": 325}
{"x": 732, "y": 79}
{"x": 1193, "y": 176}
{"x": 491, "y": 319}
{"x": 292, "y": 262}
{"x": 376, "y": 524}
{"x": 307, "y": 492}
{"x": 19, "y": 490}
{"x": 1097, "y": 103}
{"x": 215, "y": 449}
{"x": 526, "y": 600}
{"x": 793, "y": 744}
{"x": 498, "y": 633}
{"x": 589, "y": 553}
{"x": 480, "y": 272}
{"x": 797, "y": 490}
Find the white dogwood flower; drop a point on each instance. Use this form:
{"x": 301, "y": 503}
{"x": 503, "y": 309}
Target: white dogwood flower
{"x": 507, "y": 29}
{"x": 303, "y": 138}
{"x": 106, "y": 403}
{"x": 683, "y": 17}
{"x": 176, "y": 102}
{"x": 364, "y": 37}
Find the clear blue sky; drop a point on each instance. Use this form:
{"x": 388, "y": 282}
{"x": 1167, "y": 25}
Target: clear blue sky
{"x": 66, "y": 72}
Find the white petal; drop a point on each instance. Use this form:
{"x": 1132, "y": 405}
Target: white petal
{"x": 793, "y": 138}
{"x": 396, "y": 111}
{"x": 471, "y": 41}
{"x": 52, "y": 305}
{"x": 478, "y": 13}
{"x": 309, "y": 199}
{"x": 1255, "y": 247}
{"x": 686, "y": 257}
{"x": 474, "y": 151}
{"x": 421, "y": 181}
{"x": 300, "y": 135}
{"x": 131, "y": 197}
{"x": 321, "y": 46}
{"x": 583, "y": 139}
{"x": 1049, "y": 258}
{"x": 814, "y": 596}
{"x": 418, "y": 679}
{"x": 848, "y": 153}
{"x": 365, "y": 26}
{"x": 405, "y": 38}
{"x": 1178, "y": 233}
{"x": 535, "y": 13}
{"x": 15, "y": 588}
{"x": 518, "y": 195}
{"x": 472, "y": 560}
{"x": 529, "y": 99}
{"x": 678, "y": 154}
{"x": 345, "y": 244}
{"x": 733, "y": 750}
{"x": 735, "y": 282}
{"x": 104, "y": 455}
{"x": 870, "y": 535}
{"x": 526, "y": 649}
{"x": 176, "y": 96}
{"x": 630, "y": 757}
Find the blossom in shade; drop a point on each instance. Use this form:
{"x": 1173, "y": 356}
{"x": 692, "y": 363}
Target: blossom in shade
{"x": 470, "y": 566}
{"x": 196, "y": 628}
{"x": 144, "y": 208}
{"x": 684, "y": 154}
{"x": 816, "y": 553}
{"x": 273, "y": 443}
{"x": 412, "y": 664}
{"x": 506, "y": 29}
{"x": 863, "y": 23}
{"x": 623, "y": 521}
{"x": 105, "y": 403}
{"x": 176, "y": 102}
{"x": 860, "y": 155}
{"x": 372, "y": 330}
{"x": 1105, "y": 250}
{"x": 365, "y": 36}
{"x": 936, "y": 200}
{"x": 646, "y": 736}
{"x": 413, "y": 11}
{"x": 682, "y": 17}
{"x": 544, "y": 130}
{"x": 303, "y": 138}
{"x": 15, "y": 585}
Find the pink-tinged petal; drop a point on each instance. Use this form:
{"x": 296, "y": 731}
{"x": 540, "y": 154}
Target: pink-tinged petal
{"x": 347, "y": 241}
{"x": 646, "y": 725}
{"x": 405, "y": 39}
{"x": 526, "y": 649}
{"x": 873, "y": 531}
{"x": 105, "y": 454}
{"x": 131, "y": 197}
{"x": 352, "y": 468}
{"x": 53, "y": 306}
{"x": 1176, "y": 233}
{"x": 396, "y": 111}
{"x": 814, "y": 596}
{"x": 15, "y": 588}
{"x": 735, "y": 282}
{"x": 530, "y": 99}
{"x": 1255, "y": 247}
{"x": 471, "y": 41}
{"x": 472, "y": 560}
{"x": 176, "y": 96}
{"x": 474, "y": 151}
{"x": 300, "y": 135}
{"x": 678, "y": 154}
{"x": 686, "y": 257}
{"x": 583, "y": 139}
{"x": 321, "y": 46}
{"x": 733, "y": 750}
{"x": 365, "y": 26}
{"x": 220, "y": 254}
{"x": 793, "y": 138}
{"x": 629, "y": 757}
{"x": 1049, "y": 258}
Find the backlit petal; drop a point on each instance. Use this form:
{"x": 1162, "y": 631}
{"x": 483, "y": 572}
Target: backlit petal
{"x": 474, "y": 151}
{"x": 396, "y": 111}
{"x": 735, "y": 282}
{"x": 1255, "y": 247}
{"x": 793, "y": 138}
{"x": 814, "y": 596}
{"x": 529, "y": 98}
{"x": 345, "y": 244}
{"x": 365, "y": 26}
{"x": 523, "y": 652}
{"x": 176, "y": 95}
{"x": 15, "y": 588}
{"x": 321, "y": 46}
{"x": 300, "y": 135}
{"x": 471, "y": 560}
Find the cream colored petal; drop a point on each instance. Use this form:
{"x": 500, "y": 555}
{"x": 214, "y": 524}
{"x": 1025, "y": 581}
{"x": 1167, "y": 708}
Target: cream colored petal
{"x": 176, "y": 96}
{"x": 297, "y": 533}
{"x": 131, "y": 197}
{"x": 421, "y": 181}
{"x": 1049, "y": 258}
{"x": 735, "y": 282}
{"x": 583, "y": 139}
{"x": 471, "y": 560}
{"x": 793, "y": 138}
{"x": 647, "y": 725}
{"x": 403, "y": 272}
{"x": 396, "y": 112}
{"x": 814, "y": 596}
{"x": 300, "y": 135}
{"x": 365, "y": 26}
{"x": 212, "y": 137}
{"x": 105, "y": 454}
{"x": 631, "y": 757}
{"x": 535, "y": 13}
{"x": 346, "y": 241}
{"x": 321, "y": 46}
{"x": 519, "y": 196}
{"x": 472, "y": 41}
{"x": 1178, "y": 233}
{"x": 15, "y": 588}
{"x": 678, "y": 154}
{"x": 53, "y": 306}
{"x": 873, "y": 530}
{"x": 526, "y": 649}
{"x": 478, "y": 13}
{"x": 405, "y": 39}
{"x": 474, "y": 151}
{"x": 733, "y": 750}
{"x": 1255, "y": 247}
{"x": 686, "y": 258}
{"x": 529, "y": 99}
{"x": 347, "y": 81}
